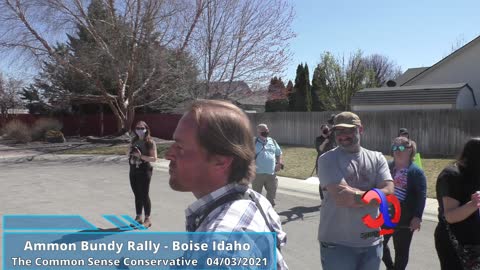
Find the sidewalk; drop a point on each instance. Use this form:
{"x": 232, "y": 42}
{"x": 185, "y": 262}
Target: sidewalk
{"x": 290, "y": 186}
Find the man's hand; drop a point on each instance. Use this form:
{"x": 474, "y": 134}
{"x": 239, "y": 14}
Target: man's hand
{"x": 415, "y": 224}
{"x": 278, "y": 167}
{"x": 345, "y": 196}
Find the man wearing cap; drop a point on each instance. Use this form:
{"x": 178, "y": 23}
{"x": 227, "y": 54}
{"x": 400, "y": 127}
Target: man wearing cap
{"x": 268, "y": 160}
{"x": 346, "y": 173}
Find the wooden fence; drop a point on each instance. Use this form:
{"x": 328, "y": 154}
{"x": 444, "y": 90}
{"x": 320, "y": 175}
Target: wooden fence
{"x": 438, "y": 133}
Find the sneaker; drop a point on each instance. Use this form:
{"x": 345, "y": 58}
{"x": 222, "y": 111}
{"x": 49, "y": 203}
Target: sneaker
{"x": 147, "y": 223}
{"x": 139, "y": 220}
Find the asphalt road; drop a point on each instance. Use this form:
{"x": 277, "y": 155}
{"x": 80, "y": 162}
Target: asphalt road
{"x": 93, "y": 189}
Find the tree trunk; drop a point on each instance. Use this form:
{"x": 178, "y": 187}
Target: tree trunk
{"x": 101, "y": 120}
{"x": 130, "y": 118}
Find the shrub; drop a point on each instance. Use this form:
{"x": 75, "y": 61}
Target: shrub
{"x": 276, "y": 105}
{"x": 54, "y": 136}
{"x": 18, "y": 131}
{"x": 42, "y": 125}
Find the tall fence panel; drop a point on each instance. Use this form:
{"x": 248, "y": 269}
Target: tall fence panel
{"x": 437, "y": 132}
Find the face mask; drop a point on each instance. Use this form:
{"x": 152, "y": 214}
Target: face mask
{"x": 140, "y": 132}
{"x": 264, "y": 134}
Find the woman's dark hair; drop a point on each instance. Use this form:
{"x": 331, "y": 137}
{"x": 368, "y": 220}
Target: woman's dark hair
{"x": 147, "y": 138}
{"x": 469, "y": 161}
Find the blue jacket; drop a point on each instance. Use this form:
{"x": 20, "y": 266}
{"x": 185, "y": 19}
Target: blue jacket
{"x": 414, "y": 203}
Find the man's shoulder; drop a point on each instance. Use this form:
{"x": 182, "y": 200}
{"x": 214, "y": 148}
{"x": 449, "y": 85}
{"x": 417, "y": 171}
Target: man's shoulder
{"x": 330, "y": 155}
{"x": 373, "y": 154}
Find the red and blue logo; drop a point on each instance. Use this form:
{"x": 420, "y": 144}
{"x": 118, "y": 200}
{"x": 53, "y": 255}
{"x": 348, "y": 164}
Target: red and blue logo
{"x": 384, "y": 217}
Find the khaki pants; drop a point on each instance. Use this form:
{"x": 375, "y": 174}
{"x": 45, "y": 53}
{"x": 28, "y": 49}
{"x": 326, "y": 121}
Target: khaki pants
{"x": 270, "y": 182}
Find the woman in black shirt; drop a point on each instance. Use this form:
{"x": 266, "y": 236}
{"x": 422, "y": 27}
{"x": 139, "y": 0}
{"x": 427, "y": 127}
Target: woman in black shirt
{"x": 457, "y": 236}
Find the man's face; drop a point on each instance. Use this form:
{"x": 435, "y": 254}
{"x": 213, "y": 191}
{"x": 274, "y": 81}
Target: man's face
{"x": 188, "y": 159}
{"x": 348, "y": 138}
{"x": 261, "y": 131}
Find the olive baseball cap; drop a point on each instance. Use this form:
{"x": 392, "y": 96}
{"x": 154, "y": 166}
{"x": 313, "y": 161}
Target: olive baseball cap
{"x": 347, "y": 119}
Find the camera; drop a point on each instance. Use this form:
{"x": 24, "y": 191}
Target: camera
{"x": 281, "y": 166}
{"x": 134, "y": 149}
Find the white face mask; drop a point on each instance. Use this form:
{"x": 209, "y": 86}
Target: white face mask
{"x": 140, "y": 132}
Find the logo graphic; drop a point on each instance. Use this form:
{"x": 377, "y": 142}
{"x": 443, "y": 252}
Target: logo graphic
{"x": 384, "y": 216}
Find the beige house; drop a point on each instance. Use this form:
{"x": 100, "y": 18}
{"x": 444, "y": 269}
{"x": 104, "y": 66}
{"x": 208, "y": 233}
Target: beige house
{"x": 452, "y": 83}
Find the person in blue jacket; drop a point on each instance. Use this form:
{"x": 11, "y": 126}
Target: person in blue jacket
{"x": 411, "y": 190}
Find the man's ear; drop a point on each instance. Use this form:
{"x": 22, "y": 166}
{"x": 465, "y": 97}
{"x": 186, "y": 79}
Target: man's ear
{"x": 221, "y": 162}
{"x": 360, "y": 130}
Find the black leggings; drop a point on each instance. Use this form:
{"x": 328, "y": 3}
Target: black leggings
{"x": 402, "y": 238}
{"x": 446, "y": 252}
{"x": 140, "y": 183}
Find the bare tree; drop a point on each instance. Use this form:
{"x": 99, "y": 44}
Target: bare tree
{"x": 380, "y": 70}
{"x": 241, "y": 41}
{"x": 9, "y": 95}
{"x": 133, "y": 33}
{"x": 336, "y": 80}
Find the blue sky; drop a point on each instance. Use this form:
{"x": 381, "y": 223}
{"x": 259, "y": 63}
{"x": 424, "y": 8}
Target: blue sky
{"x": 411, "y": 33}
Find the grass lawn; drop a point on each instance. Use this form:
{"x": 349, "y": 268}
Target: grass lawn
{"x": 299, "y": 161}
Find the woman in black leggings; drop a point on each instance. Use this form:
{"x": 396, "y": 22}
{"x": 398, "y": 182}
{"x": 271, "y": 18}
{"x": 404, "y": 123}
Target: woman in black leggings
{"x": 142, "y": 151}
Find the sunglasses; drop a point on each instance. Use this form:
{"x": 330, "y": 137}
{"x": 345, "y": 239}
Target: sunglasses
{"x": 140, "y": 128}
{"x": 400, "y": 148}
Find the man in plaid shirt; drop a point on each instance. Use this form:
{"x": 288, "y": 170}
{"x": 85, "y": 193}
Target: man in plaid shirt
{"x": 213, "y": 157}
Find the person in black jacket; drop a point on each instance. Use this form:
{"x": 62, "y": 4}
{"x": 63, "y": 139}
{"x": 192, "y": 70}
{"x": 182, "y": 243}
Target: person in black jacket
{"x": 457, "y": 235}
{"x": 411, "y": 190}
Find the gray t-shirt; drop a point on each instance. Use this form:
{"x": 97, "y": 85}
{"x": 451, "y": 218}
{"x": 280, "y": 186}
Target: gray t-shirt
{"x": 363, "y": 170}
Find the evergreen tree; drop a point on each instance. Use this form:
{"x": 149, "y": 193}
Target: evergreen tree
{"x": 317, "y": 104}
{"x": 291, "y": 95}
{"x": 308, "y": 89}
{"x": 303, "y": 98}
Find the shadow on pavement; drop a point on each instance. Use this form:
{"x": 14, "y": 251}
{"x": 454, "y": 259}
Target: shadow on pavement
{"x": 298, "y": 212}
{"x": 88, "y": 235}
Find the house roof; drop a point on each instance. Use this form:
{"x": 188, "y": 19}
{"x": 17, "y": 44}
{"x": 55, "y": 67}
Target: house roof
{"x": 417, "y": 94}
{"x": 229, "y": 90}
{"x": 453, "y": 54}
{"x": 257, "y": 98}
{"x": 409, "y": 74}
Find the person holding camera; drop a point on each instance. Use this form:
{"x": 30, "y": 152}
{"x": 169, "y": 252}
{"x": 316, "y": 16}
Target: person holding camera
{"x": 268, "y": 160}
{"x": 142, "y": 151}
{"x": 324, "y": 143}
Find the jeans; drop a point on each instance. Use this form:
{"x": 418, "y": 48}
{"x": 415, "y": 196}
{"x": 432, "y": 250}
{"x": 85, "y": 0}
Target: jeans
{"x": 339, "y": 257}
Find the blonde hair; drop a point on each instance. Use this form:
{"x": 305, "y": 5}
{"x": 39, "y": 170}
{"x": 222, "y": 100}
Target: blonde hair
{"x": 224, "y": 129}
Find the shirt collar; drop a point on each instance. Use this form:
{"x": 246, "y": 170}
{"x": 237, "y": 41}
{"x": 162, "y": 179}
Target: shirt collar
{"x": 195, "y": 210}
